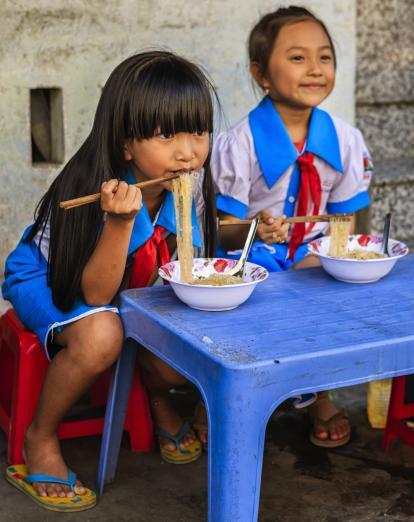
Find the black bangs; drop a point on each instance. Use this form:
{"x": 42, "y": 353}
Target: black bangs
{"x": 172, "y": 96}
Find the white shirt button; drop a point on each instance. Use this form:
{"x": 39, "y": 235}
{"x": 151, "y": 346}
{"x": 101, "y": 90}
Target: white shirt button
{"x": 291, "y": 199}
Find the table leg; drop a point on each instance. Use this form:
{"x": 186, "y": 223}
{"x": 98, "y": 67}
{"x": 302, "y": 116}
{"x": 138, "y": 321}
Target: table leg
{"x": 236, "y": 441}
{"x": 115, "y": 414}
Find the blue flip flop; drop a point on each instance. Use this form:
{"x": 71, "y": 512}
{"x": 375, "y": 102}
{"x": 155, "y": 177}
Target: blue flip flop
{"x": 304, "y": 400}
{"x": 17, "y": 476}
{"x": 179, "y": 455}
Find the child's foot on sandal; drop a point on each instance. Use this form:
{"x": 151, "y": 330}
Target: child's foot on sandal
{"x": 43, "y": 457}
{"x": 331, "y": 427}
{"x": 177, "y": 440}
{"x": 46, "y": 480}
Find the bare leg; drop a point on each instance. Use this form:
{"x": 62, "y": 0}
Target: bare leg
{"x": 91, "y": 345}
{"x": 200, "y": 423}
{"x": 309, "y": 261}
{"x": 159, "y": 378}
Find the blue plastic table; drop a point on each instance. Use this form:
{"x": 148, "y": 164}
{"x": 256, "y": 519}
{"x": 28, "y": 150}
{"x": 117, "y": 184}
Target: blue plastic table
{"x": 299, "y": 332}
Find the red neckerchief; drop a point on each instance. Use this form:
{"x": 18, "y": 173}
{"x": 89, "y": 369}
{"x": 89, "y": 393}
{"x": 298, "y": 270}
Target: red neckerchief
{"x": 154, "y": 250}
{"x": 310, "y": 191}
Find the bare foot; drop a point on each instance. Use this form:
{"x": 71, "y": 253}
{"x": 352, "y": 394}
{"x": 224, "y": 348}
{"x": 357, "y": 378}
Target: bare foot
{"x": 167, "y": 419}
{"x": 43, "y": 456}
{"x": 323, "y": 408}
{"x": 200, "y": 423}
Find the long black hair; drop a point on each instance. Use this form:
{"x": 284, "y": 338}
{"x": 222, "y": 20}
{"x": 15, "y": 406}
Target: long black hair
{"x": 154, "y": 90}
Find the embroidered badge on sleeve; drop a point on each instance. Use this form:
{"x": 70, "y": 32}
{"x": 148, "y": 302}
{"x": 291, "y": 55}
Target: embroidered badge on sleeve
{"x": 368, "y": 166}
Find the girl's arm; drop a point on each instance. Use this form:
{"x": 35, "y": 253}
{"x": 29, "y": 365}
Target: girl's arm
{"x": 104, "y": 271}
{"x": 270, "y": 230}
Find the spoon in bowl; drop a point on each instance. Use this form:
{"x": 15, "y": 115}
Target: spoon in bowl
{"x": 386, "y": 234}
{"x": 238, "y": 268}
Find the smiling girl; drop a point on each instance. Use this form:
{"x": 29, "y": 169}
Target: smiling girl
{"x": 290, "y": 158}
{"x": 155, "y": 117}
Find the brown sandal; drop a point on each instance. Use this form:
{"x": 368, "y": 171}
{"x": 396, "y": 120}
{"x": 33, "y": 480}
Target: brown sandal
{"x": 325, "y": 425}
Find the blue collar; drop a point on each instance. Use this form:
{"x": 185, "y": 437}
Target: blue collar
{"x": 143, "y": 227}
{"x": 274, "y": 148}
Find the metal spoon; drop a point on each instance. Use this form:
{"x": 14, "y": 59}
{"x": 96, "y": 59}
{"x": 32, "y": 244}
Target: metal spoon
{"x": 238, "y": 268}
{"x": 386, "y": 234}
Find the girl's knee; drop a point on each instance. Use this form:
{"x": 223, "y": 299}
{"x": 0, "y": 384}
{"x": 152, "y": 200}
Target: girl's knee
{"x": 172, "y": 376}
{"x": 98, "y": 341}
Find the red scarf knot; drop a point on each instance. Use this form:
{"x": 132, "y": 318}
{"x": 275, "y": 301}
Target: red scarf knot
{"x": 305, "y": 159}
{"x": 153, "y": 252}
{"x": 309, "y": 196}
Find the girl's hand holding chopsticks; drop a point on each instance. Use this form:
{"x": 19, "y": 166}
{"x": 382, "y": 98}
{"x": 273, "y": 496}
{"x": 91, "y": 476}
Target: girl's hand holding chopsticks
{"x": 120, "y": 200}
{"x": 270, "y": 229}
{"x": 91, "y": 198}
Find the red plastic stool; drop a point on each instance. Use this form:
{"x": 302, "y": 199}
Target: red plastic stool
{"x": 23, "y": 366}
{"x": 398, "y": 409}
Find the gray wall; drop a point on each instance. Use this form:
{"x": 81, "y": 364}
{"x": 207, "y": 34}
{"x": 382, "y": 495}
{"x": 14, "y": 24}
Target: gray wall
{"x": 385, "y": 106}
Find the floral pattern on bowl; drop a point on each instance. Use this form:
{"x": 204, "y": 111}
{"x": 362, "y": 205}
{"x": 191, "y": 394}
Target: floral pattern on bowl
{"x": 213, "y": 298}
{"x": 205, "y": 266}
{"x": 366, "y": 242}
{"x": 358, "y": 270}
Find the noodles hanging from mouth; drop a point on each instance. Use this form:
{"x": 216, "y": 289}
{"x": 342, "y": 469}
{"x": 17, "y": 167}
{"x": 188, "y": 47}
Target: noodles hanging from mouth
{"x": 182, "y": 188}
{"x": 183, "y": 196}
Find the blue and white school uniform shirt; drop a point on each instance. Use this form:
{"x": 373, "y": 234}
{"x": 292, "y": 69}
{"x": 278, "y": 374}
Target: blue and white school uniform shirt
{"x": 254, "y": 167}
{"x": 25, "y": 284}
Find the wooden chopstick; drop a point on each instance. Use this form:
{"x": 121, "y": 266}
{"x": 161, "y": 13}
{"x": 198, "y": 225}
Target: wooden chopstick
{"x": 296, "y": 219}
{"x": 316, "y": 219}
{"x": 84, "y": 200}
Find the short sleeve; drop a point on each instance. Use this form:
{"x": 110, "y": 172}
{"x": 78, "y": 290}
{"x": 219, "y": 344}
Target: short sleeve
{"x": 350, "y": 192}
{"x": 231, "y": 168}
{"x": 42, "y": 239}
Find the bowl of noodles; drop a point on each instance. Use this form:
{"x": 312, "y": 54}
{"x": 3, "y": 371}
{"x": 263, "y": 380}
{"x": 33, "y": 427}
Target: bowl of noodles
{"x": 359, "y": 259}
{"x": 210, "y": 289}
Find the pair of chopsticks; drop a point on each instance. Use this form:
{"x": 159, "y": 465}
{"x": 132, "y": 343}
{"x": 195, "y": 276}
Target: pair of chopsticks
{"x": 297, "y": 219}
{"x": 84, "y": 200}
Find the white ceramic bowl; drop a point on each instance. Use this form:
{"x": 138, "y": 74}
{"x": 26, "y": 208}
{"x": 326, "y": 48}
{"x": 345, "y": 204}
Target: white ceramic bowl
{"x": 358, "y": 270}
{"x": 213, "y": 298}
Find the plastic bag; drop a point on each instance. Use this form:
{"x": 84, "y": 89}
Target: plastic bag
{"x": 377, "y": 402}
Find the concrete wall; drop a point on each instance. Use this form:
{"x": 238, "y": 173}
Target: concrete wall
{"x": 75, "y": 45}
{"x": 385, "y": 106}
